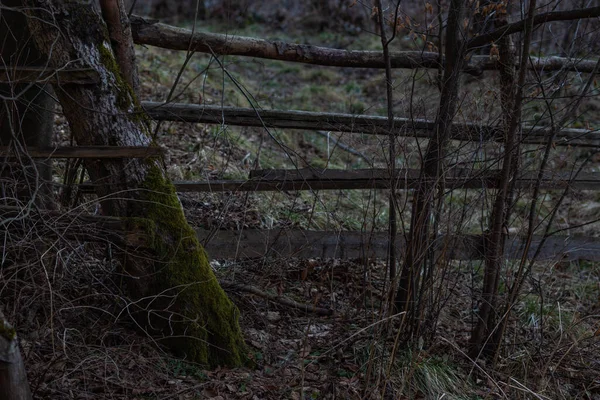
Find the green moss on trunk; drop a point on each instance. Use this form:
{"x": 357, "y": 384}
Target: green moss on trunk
{"x": 207, "y": 331}
{"x": 126, "y": 98}
{"x": 7, "y": 331}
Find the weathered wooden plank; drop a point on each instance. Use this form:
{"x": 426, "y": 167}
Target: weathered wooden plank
{"x": 332, "y": 179}
{"x": 283, "y": 243}
{"x": 383, "y": 173}
{"x": 406, "y": 180}
{"x": 367, "y": 124}
{"x": 255, "y": 243}
{"x": 453, "y": 178}
{"x": 218, "y": 186}
{"x": 19, "y": 74}
{"x": 96, "y": 152}
{"x": 271, "y": 186}
{"x": 153, "y": 33}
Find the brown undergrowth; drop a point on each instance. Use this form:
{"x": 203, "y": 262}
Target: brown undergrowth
{"x": 78, "y": 340}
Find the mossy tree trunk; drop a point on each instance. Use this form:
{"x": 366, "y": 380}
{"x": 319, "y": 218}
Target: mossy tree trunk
{"x": 184, "y": 303}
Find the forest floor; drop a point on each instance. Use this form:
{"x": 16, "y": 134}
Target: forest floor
{"x": 78, "y": 340}
{"x": 92, "y": 350}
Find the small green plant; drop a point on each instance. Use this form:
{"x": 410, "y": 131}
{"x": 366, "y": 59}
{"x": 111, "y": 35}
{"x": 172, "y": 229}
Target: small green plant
{"x": 352, "y": 88}
{"x": 343, "y": 373}
{"x": 182, "y": 368}
{"x": 356, "y": 107}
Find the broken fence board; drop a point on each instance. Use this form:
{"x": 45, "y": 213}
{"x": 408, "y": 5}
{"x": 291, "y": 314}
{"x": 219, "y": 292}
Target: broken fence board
{"x": 95, "y": 152}
{"x": 18, "y": 74}
{"x": 283, "y": 243}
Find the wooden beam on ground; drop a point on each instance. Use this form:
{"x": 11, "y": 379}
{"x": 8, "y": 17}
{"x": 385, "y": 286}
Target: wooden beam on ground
{"x": 80, "y": 76}
{"x": 367, "y": 124}
{"x": 153, "y": 33}
{"x": 283, "y": 243}
{"x": 94, "y": 152}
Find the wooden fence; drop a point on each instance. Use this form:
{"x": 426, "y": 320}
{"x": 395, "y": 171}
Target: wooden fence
{"x": 294, "y": 243}
{"x": 282, "y": 243}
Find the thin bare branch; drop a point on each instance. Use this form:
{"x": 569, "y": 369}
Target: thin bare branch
{"x": 570, "y": 15}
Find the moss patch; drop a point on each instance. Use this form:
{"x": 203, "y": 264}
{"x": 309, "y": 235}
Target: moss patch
{"x": 209, "y": 333}
{"x": 7, "y": 331}
{"x": 126, "y": 98}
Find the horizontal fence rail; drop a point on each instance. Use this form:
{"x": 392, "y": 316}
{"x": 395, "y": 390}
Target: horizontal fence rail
{"x": 255, "y": 243}
{"x": 153, "y": 33}
{"x": 367, "y": 124}
{"x": 453, "y": 177}
{"x": 19, "y": 74}
{"x": 95, "y": 152}
{"x": 379, "y": 179}
{"x": 331, "y": 179}
{"x": 283, "y": 243}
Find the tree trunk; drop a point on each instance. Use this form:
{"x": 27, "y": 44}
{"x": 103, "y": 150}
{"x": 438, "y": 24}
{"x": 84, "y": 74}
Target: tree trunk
{"x": 496, "y": 236}
{"x": 119, "y": 31}
{"x": 13, "y": 378}
{"x": 484, "y": 340}
{"x": 419, "y": 240}
{"x": 26, "y": 114}
{"x": 175, "y": 291}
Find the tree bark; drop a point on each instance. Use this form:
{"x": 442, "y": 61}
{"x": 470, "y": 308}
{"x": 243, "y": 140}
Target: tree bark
{"x": 176, "y": 294}
{"x": 26, "y": 111}
{"x": 13, "y": 377}
{"x": 119, "y": 30}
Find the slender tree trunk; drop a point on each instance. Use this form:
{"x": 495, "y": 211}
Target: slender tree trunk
{"x": 419, "y": 239}
{"x": 389, "y": 85}
{"x": 482, "y": 337}
{"x": 177, "y": 295}
{"x": 525, "y": 265}
{"x": 13, "y": 377}
{"x": 119, "y": 31}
